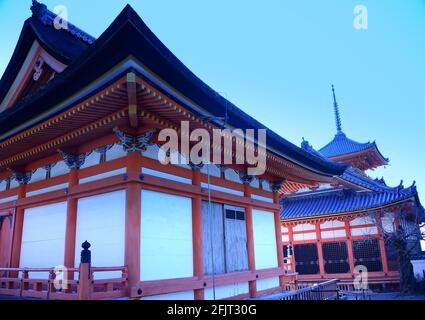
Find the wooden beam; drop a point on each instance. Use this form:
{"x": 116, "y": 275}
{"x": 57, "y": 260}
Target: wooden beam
{"x": 250, "y": 242}
{"x": 17, "y": 230}
{"x": 71, "y": 224}
{"x": 198, "y": 255}
{"x": 133, "y": 222}
{"x": 132, "y": 99}
{"x": 278, "y": 238}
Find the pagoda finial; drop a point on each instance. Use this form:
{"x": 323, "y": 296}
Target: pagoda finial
{"x": 337, "y": 114}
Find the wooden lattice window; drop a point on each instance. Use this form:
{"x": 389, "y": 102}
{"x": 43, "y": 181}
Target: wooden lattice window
{"x": 306, "y": 259}
{"x": 335, "y": 256}
{"x": 367, "y": 253}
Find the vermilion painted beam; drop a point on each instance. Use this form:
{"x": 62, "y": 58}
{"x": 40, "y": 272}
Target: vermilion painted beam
{"x": 132, "y": 99}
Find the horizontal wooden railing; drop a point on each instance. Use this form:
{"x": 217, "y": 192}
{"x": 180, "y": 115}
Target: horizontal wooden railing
{"x": 32, "y": 283}
{"x": 322, "y": 291}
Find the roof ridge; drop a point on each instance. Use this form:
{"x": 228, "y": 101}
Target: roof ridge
{"x": 47, "y": 17}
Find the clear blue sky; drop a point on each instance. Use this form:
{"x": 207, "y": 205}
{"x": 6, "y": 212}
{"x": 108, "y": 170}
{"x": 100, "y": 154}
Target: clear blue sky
{"x": 277, "y": 59}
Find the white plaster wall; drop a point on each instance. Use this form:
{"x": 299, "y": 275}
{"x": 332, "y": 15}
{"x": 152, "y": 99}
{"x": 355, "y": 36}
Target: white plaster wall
{"x": 364, "y": 231}
{"x": 222, "y": 189}
{"x": 305, "y": 236}
{"x": 214, "y": 170}
{"x": 388, "y": 222}
{"x": 92, "y": 160}
{"x": 59, "y": 169}
{"x": 167, "y": 176}
{"x": 332, "y": 224}
{"x": 266, "y": 186}
{"x": 285, "y": 238}
{"x": 38, "y": 175}
{"x": 227, "y": 291}
{"x": 43, "y": 238}
{"x": 116, "y": 152}
{"x": 361, "y": 221}
{"x": 304, "y": 227}
{"x": 8, "y": 199}
{"x": 105, "y": 175}
{"x": 166, "y": 239}
{"x": 264, "y": 239}
{"x": 46, "y": 190}
{"x": 333, "y": 234}
{"x": 101, "y": 221}
{"x": 231, "y": 175}
{"x": 260, "y": 198}
{"x": 269, "y": 283}
{"x": 152, "y": 152}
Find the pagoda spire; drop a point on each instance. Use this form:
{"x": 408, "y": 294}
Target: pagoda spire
{"x": 337, "y": 114}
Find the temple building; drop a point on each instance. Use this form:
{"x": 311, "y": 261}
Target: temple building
{"x": 79, "y": 143}
{"x": 331, "y": 229}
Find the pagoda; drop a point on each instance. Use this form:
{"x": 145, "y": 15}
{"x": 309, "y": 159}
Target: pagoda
{"x": 334, "y": 229}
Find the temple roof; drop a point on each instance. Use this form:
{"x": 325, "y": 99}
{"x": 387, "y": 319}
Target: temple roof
{"x": 356, "y": 192}
{"x": 65, "y": 45}
{"x": 339, "y": 201}
{"x": 360, "y": 155}
{"x": 128, "y": 37}
{"x": 341, "y": 145}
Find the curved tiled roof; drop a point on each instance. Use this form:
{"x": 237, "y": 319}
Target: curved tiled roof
{"x": 65, "y": 45}
{"x": 341, "y": 145}
{"x": 339, "y": 201}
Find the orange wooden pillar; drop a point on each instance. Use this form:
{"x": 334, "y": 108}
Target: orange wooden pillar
{"x": 198, "y": 256}
{"x": 17, "y": 230}
{"x": 278, "y": 238}
{"x": 383, "y": 251}
{"x": 320, "y": 250}
{"x": 71, "y": 223}
{"x": 133, "y": 221}
{"x": 349, "y": 246}
{"x": 291, "y": 243}
{"x": 250, "y": 242}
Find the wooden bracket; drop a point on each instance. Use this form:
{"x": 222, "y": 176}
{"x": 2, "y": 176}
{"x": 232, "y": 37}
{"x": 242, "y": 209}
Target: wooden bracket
{"x": 132, "y": 100}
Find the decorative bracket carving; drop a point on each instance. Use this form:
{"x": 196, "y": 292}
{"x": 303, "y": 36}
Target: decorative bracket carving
{"x": 245, "y": 178}
{"x": 277, "y": 185}
{"x": 196, "y": 167}
{"x": 135, "y": 143}
{"x": 74, "y": 161}
{"x": 22, "y": 178}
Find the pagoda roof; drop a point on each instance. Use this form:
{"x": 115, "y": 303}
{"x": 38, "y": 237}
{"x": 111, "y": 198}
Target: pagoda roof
{"x": 341, "y": 145}
{"x": 343, "y": 201}
{"x": 129, "y": 45}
